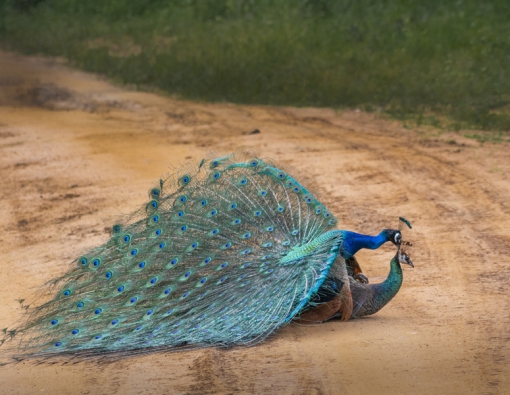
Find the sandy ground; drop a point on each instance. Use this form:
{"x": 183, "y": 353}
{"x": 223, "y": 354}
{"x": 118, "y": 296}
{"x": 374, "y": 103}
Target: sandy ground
{"x": 76, "y": 151}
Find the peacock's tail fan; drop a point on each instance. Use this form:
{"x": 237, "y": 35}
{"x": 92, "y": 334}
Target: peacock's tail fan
{"x": 205, "y": 263}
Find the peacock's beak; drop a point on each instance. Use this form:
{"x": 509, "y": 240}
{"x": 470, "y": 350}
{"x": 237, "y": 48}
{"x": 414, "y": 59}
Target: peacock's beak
{"x": 404, "y": 259}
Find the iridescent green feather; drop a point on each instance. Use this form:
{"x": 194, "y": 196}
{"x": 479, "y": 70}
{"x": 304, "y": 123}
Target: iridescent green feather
{"x": 223, "y": 253}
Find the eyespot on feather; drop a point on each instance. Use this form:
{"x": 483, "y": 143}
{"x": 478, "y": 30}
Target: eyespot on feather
{"x": 82, "y": 261}
{"x": 165, "y": 293}
{"x": 212, "y": 213}
{"x": 215, "y": 175}
{"x": 154, "y": 193}
{"x": 151, "y": 207}
{"x": 193, "y": 246}
{"x": 181, "y": 200}
{"x": 153, "y": 220}
{"x": 308, "y": 199}
{"x": 95, "y": 263}
{"x": 213, "y": 232}
{"x": 173, "y": 262}
{"x": 184, "y": 180}
{"x": 116, "y": 229}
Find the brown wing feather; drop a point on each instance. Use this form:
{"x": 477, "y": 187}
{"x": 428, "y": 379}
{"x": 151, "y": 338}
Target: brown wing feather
{"x": 342, "y": 304}
{"x": 353, "y": 266}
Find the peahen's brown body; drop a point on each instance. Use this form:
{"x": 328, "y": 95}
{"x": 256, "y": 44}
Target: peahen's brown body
{"x": 357, "y": 298}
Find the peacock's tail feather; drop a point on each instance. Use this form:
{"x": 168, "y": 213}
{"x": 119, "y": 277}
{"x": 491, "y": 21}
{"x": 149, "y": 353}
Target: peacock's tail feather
{"x": 224, "y": 253}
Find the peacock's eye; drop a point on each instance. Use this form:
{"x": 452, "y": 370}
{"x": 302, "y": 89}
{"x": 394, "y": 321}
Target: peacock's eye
{"x": 398, "y": 238}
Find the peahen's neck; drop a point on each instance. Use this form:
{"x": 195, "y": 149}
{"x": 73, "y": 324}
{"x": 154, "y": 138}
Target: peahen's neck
{"x": 382, "y": 293}
{"x": 353, "y": 242}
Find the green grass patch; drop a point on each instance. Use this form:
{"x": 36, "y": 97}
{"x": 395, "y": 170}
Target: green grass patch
{"x": 437, "y": 63}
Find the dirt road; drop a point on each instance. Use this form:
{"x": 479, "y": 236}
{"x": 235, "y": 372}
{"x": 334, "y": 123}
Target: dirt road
{"x": 76, "y": 151}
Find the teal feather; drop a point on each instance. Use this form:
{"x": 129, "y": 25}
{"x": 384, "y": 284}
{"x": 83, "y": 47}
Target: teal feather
{"x": 225, "y": 252}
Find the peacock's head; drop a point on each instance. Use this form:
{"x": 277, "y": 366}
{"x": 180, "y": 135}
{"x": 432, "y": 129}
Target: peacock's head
{"x": 393, "y": 235}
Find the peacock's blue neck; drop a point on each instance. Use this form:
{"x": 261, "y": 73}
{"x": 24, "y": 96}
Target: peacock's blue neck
{"x": 353, "y": 242}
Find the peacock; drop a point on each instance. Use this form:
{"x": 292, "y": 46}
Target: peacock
{"x": 225, "y": 252}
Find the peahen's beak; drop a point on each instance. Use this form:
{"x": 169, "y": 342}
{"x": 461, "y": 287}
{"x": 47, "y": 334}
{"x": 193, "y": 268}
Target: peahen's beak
{"x": 403, "y": 258}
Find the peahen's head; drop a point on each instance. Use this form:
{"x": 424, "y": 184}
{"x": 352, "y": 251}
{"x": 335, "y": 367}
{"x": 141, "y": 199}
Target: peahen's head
{"x": 403, "y": 258}
{"x": 393, "y": 235}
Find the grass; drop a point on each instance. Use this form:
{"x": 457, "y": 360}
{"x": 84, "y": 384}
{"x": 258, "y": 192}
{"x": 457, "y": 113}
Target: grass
{"x": 439, "y": 63}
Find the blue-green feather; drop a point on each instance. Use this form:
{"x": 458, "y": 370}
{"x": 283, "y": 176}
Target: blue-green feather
{"x": 223, "y": 253}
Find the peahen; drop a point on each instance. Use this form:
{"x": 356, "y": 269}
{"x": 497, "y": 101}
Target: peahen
{"x": 366, "y": 299}
{"x": 225, "y": 252}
